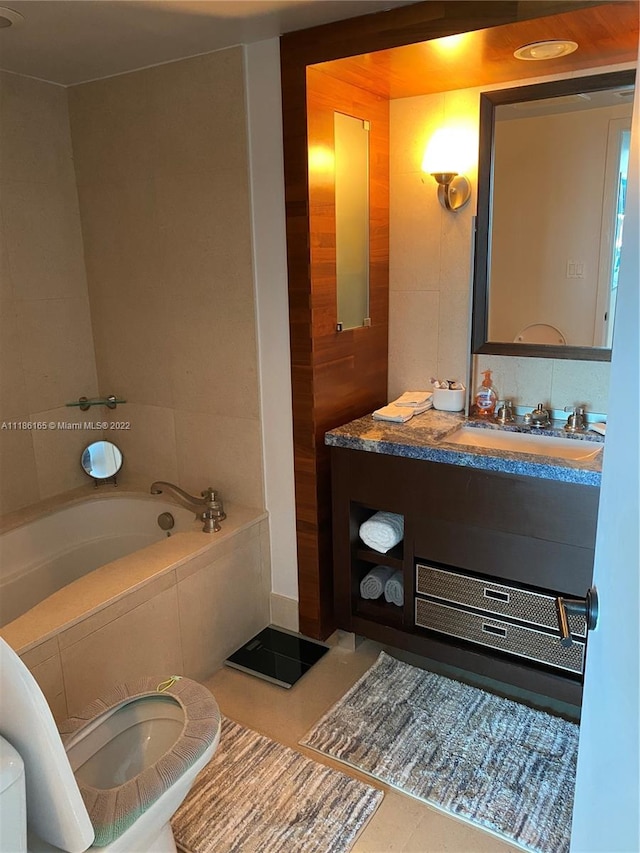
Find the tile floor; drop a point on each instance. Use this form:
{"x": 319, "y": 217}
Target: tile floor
{"x": 401, "y": 824}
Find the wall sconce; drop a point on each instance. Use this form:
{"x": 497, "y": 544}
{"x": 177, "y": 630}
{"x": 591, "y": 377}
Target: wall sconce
{"x": 440, "y": 158}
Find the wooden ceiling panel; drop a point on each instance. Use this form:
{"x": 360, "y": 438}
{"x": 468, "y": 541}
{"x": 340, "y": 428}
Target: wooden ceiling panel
{"x": 606, "y": 35}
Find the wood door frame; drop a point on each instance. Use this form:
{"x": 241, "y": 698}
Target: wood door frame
{"x": 366, "y": 34}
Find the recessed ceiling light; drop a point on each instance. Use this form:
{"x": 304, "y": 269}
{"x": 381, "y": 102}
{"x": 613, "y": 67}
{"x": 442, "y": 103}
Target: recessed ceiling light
{"x": 9, "y": 18}
{"x": 541, "y": 50}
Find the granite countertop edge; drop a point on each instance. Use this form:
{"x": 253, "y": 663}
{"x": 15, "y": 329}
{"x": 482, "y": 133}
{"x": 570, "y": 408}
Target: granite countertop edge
{"x": 424, "y": 438}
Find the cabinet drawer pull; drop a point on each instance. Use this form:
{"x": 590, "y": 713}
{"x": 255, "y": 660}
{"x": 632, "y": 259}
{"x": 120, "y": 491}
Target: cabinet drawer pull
{"x": 496, "y": 595}
{"x": 494, "y": 629}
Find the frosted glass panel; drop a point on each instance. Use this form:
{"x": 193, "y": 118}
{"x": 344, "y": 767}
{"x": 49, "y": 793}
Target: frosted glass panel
{"x": 352, "y": 219}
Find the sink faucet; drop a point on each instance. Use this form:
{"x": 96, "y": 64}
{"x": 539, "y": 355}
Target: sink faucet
{"x": 577, "y": 421}
{"x": 540, "y": 417}
{"x": 208, "y": 508}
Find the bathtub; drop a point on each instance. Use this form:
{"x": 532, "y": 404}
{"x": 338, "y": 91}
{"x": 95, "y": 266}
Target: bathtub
{"x": 45, "y": 555}
{"x": 105, "y": 596}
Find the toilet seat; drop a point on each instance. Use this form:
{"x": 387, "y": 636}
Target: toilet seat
{"x": 194, "y": 714}
{"x": 540, "y": 333}
{"x": 57, "y": 813}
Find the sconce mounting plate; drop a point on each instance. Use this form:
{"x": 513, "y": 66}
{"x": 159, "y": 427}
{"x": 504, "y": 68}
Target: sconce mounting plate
{"x": 455, "y": 194}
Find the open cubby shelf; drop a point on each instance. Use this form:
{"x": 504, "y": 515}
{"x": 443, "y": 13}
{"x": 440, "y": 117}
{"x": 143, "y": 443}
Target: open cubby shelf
{"x": 379, "y": 610}
{"x": 393, "y": 558}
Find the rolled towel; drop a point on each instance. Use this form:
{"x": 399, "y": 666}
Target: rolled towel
{"x": 382, "y": 531}
{"x": 394, "y": 589}
{"x": 372, "y": 584}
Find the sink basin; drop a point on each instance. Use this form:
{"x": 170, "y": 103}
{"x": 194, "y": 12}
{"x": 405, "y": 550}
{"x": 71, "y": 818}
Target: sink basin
{"x": 525, "y": 442}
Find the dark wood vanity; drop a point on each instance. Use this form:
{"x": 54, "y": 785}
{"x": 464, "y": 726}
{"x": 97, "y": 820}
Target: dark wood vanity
{"x": 484, "y": 556}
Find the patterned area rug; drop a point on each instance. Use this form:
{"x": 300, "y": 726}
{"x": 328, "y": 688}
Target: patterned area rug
{"x": 498, "y": 764}
{"x": 257, "y": 796}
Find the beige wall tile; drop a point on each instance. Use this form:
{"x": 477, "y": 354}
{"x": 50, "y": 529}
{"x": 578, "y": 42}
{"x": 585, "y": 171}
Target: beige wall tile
{"x": 18, "y": 474}
{"x": 453, "y": 335}
{"x": 580, "y": 383}
{"x": 121, "y": 240}
{"x": 40, "y": 653}
{"x": 225, "y": 452}
{"x": 115, "y": 611}
{"x": 413, "y": 340}
{"x": 13, "y": 390}
{"x": 206, "y": 95}
{"x": 524, "y": 381}
{"x": 149, "y": 447}
{"x": 48, "y": 674}
{"x": 111, "y": 129}
{"x": 43, "y": 239}
{"x": 284, "y": 612}
{"x": 58, "y": 451}
{"x": 35, "y": 142}
{"x": 57, "y": 351}
{"x": 205, "y": 238}
{"x": 144, "y": 641}
{"x": 6, "y": 285}
{"x": 214, "y": 364}
{"x": 221, "y": 607}
{"x": 222, "y": 547}
{"x": 133, "y": 356}
{"x": 414, "y": 234}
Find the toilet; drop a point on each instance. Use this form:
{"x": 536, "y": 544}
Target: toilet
{"x": 540, "y": 333}
{"x": 112, "y": 777}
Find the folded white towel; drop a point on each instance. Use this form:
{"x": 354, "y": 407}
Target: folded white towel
{"x": 382, "y": 531}
{"x": 372, "y": 584}
{"x": 414, "y": 398}
{"x": 419, "y": 409}
{"x": 397, "y": 414}
{"x": 394, "y": 589}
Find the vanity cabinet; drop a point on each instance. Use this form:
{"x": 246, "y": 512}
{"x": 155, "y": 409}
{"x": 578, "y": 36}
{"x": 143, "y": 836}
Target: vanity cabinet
{"x": 484, "y": 557}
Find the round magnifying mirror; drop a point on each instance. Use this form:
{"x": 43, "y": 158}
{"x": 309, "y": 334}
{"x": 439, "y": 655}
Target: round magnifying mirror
{"x": 101, "y": 460}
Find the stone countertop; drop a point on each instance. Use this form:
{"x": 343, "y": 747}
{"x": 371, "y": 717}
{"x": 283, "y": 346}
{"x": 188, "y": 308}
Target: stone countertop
{"x": 425, "y": 437}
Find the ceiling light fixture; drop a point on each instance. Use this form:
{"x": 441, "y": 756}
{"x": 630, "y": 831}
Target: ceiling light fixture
{"x": 542, "y": 50}
{"x": 9, "y": 18}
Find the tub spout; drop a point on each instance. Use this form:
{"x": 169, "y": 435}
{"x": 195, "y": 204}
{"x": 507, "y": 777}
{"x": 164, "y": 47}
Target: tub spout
{"x": 208, "y": 507}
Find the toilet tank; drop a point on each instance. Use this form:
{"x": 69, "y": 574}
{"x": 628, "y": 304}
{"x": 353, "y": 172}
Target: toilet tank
{"x": 13, "y": 808}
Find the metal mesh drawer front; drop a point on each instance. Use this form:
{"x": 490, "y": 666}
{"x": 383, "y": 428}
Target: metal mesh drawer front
{"x": 511, "y": 601}
{"x": 513, "y": 639}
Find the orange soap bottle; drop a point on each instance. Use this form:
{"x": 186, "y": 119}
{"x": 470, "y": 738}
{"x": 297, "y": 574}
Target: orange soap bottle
{"x": 486, "y": 397}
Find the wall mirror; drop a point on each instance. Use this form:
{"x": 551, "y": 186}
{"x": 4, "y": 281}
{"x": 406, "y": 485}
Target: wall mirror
{"x": 101, "y": 460}
{"x": 551, "y": 192}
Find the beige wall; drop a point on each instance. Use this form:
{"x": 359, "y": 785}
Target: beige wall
{"x": 430, "y": 276}
{"x": 162, "y": 171}
{"x": 46, "y": 348}
{"x": 429, "y": 251}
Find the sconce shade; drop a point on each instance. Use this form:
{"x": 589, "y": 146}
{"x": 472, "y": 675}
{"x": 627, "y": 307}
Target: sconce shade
{"x": 444, "y": 154}
{"x": 441, "y": 160}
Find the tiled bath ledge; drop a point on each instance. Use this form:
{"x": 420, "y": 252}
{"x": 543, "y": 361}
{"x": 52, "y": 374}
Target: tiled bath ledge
{"x": 425, "y": 437}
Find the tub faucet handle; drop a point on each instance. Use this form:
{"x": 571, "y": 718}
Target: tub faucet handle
{"x": 215, "y": 508}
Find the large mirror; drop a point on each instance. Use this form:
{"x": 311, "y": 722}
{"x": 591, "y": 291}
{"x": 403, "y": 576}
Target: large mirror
{"x": 551, "y": 192}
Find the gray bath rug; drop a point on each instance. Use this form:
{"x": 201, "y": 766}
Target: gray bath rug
{"x": 493, "y": 762}
{"x": 257, "y": 796}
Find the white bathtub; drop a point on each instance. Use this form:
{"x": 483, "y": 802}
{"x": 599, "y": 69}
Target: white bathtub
{"x": 45, "y": 555}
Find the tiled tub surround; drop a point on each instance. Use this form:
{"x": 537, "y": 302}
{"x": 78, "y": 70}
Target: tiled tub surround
{"x": 179, "y": 606}
{"x": 425, "y": 437}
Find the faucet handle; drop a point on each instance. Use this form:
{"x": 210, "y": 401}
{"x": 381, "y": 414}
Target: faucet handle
{"x": 577, "y": 421}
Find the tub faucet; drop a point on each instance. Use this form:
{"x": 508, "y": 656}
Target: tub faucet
{"x": 208, "y": 508}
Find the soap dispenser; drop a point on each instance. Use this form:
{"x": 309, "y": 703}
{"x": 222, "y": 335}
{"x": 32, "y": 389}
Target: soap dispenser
{"x": 486, "y": 397}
